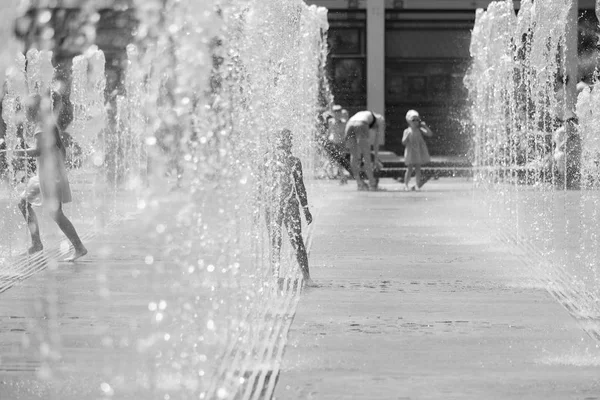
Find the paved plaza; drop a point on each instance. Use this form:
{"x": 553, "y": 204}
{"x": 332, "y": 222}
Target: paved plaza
{"x": 418, "y": 297}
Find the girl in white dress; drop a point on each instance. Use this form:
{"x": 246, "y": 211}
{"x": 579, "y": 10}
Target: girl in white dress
{"x": 415, "y": 148}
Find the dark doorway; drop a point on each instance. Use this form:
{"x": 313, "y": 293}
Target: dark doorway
{"x": 427, "y": 56}
{"x": 347, "y": 63}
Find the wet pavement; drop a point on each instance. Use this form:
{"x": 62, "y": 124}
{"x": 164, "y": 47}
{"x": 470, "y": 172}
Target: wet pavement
{"x": 419, "y": 297}
{"x": 142, "y": 316}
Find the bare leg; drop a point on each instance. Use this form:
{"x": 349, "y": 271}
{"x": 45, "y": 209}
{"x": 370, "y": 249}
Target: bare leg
{"x": 365, "y": 150}
{"x": 355, "y": 163}
{"x": 418, "y": 175}
{"x": 274, "y": 220}
{"x": 352, "y": 134}
{"x": 339, "y": 159}
{"x": 32, "y": 224}
{"x": 294, "y": 230}
{"x": 68, "y": 229}
{"x": 341, "y": 175}
{"x": 407, "y": 176}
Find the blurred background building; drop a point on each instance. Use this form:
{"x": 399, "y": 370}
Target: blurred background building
{"x": 393, "y": 55}
{"x": 69, "y": 27}
{"x": 385, "y": 55}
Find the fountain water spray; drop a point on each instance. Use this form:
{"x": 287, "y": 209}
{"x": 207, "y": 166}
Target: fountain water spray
{"x": 527, "y": 135}
{"x": 208, "y": 87}
{"x": 87, "y": 96}
{"x": 214, "y": 99}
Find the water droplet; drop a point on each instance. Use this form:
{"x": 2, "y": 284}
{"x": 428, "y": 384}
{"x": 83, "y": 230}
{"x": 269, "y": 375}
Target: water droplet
{"x": 149, "y": 260}
{"x": 64, "y": 246}
{"x": 106, "y": 389}
{"x": 44, "y": 17}
{"x": 44, "y": 373}
{"x": 44, "y": 349}
{"x": 98, "y": 159}
{"x": 48, "y": 33}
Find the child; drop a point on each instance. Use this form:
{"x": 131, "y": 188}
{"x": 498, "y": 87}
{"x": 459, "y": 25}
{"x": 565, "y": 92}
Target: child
{"x": 51, "y": 182}
{"x": 415, "y": 148}
{"x": 287, "y": 187}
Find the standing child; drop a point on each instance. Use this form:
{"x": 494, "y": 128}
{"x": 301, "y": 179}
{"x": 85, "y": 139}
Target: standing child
{"x": 415, "y": 148}
{"x": 288, "y": 194}
{"x": 51, "y": 181}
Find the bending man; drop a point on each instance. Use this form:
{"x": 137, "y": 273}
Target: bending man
{"x": 364, "y": 130}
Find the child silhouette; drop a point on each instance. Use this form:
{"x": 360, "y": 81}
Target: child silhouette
{"x": 51, "y": 182}
{"x": 287, "y": 194}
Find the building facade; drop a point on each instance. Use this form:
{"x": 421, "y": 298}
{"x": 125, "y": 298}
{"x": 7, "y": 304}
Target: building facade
{"x": 393, "y": 55}
{"x": 385, "y": 55}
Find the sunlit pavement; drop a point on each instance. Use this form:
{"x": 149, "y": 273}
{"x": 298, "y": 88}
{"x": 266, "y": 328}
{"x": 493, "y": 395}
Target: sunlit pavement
{"x": 94, "y": 207}
{"x": 72, "y": 327}
{"x": 419, "y": 299}
{"x": 131, "y": 320}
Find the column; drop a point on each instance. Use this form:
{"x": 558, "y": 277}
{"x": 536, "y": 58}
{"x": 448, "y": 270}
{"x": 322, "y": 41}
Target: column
{"x": 376, "y": 55}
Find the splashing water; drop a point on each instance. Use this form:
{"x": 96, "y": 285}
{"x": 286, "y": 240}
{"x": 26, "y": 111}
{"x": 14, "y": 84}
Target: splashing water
{"x": 525, "y": 146}
{"x": 188, "y": 150}
{"x": 226, "y": 138}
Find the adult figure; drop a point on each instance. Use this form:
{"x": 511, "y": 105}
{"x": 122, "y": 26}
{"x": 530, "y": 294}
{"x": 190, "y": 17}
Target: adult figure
{"x": 415, "y": 148}
{"x": 363, "y": 131}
